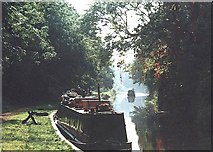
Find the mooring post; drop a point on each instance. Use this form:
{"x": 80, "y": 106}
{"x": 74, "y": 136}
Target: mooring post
{"x": 30, "y": 115}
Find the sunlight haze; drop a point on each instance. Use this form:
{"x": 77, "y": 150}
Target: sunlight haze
{"x": 80, "y": 5}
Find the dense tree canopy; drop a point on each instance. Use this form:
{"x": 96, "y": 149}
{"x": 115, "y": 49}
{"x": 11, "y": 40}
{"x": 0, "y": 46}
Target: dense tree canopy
{"x": 172, "y": 49}
{"x": 25, "y": 33}
{"x": 46, "y": 50}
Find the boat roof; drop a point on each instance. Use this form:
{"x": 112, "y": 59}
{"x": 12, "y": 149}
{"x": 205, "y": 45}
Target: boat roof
{"x": 89, "y": 98}
{"x": 82, "y": 111}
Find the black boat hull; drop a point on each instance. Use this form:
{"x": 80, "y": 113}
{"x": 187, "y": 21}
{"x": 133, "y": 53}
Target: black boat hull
{"x": 93, "y": 146}
{"x": 93, "y": 132}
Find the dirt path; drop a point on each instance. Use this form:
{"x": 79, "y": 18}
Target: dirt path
{"x": 6, "y": 116}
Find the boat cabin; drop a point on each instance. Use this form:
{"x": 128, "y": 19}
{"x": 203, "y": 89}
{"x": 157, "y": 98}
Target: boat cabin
{"x": 89, "y": 104}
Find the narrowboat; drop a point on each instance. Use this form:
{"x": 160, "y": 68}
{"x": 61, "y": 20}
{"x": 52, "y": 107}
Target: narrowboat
{"x": 91, "y": 124}
{"x": 131, "y": 95}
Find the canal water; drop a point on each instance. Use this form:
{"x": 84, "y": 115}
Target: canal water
{"x": 122, "y": 83}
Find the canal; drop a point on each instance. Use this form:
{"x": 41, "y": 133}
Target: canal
{"x": 122, "y": 83}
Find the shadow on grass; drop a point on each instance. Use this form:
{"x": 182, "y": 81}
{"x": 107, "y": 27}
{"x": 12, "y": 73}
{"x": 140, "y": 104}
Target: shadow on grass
{"x": 13, "y": 121}
{"x": 19, "y": 122}
{"x": 10, "y": 107}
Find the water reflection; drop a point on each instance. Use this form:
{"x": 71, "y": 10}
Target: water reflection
{"x": 123, "y": 83}
{"x": 121, "y": 104}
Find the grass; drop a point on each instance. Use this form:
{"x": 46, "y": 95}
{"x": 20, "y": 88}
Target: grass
{"x": 18, "y": 136}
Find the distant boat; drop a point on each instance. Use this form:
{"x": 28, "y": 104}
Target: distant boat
{"x": 91, "y": 124}
{"x": 131, "y": 95}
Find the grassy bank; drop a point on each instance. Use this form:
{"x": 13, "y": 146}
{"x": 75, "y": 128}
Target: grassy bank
{"x": 18, "y": 136}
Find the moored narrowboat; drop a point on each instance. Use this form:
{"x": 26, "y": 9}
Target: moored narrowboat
{"x": 91, "y": 124}
{"x": 131, "y": 95}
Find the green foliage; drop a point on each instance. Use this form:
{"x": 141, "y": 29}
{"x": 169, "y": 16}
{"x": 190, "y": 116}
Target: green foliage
{"x": 97, "y": 52}
{"x": 71, "y": 53}
{"x": 46, "y": 51}
{"x": 25, "y": 33}
{"x": 172, "y": 49}
{"x": 147, "y": 124}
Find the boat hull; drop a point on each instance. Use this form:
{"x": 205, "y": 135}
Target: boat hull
{"x": 93, "y": 131}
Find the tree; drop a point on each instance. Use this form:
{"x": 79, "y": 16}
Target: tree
{"x": 97, "y": 52}
{"x": 169, "y": 39}
{"x": 45, "y": 52}
{"x": 24, "y": 33}
{"x": 25, "y": 45}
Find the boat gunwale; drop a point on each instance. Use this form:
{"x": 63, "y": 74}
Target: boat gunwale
{"x": 95, "y": 113}
{"x": 73, "y": 139}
